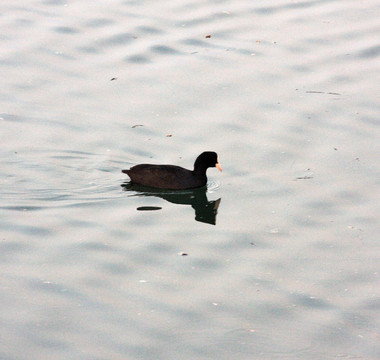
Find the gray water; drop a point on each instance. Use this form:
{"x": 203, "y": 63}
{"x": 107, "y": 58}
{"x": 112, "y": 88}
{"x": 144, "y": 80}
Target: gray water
{"x": 277, "y": 259}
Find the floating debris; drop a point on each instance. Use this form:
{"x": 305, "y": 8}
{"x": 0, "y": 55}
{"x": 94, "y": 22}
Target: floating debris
{"x": 304, "y": 177}
{"x": 135, "y": 126}
{"x": 354, "y": 228}
{"x": 183, "y": 254}
{"x": 208, "y": 36}
{"x": 113, "y": 79}
{"x": 169, "y": 135}
{"x": 148, "y": 208}
{"x": 321, "y": 92}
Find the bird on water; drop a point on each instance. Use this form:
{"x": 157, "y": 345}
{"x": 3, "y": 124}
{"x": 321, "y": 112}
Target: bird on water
{"x": 174, "y": 177}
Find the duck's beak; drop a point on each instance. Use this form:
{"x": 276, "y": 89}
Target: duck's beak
{"x": 218, "y": 166}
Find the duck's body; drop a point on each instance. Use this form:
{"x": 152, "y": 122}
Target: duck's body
{"x": 165, "y": 177}
{"x": 174, "y": 177}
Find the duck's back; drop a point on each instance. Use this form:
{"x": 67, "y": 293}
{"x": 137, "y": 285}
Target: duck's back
{"x": 165, "y": 177}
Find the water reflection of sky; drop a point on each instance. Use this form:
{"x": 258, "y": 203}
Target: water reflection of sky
{"x": 286, "y": 92}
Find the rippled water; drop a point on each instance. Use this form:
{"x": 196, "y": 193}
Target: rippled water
{"x": 276, "y": 259}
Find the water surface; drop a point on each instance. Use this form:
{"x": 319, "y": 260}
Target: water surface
{"x": 276, "y": 259}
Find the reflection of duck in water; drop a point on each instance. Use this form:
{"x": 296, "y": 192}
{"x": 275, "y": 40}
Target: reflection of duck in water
{"x": 205, "y": 211}
{"x": 174, "y": 177}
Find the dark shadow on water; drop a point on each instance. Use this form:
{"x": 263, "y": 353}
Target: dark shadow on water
{"x": 205, "y": 211}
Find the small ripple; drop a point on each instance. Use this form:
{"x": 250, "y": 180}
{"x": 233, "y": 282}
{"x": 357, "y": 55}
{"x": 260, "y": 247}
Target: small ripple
{"x": 137, "y": 59}
{"x": 118, "y": 39}
{"x": 195, "y": 42}
{"x": 30, "y": 230}
{"x": 370, "y": 52}
{"x": 100, "y": 22}
{"x": 36, "y": 181}
{"x": 22, "y": 208}
{"x": 88, "y": 49}
{"x": 55, "y": 2}
{"x": 66, "y": 30}
{"x": 148, "y": 30}
{"x": 162, "y": 49}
